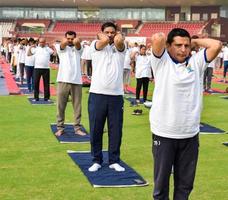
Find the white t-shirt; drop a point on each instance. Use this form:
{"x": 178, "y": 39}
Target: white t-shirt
{"x": 107, "y": 77}
{"x": 29, "y": 60}
{"x": 127, "y": 59}
{"x": 21, "y": 54}
{"x": 42, "y": 56}
{"x": 69, "y": 65}
{"x": 85, "y": 53}
{"x": 177, "y": 97}
{"x": 225, "y": 54}
{"x": 212, "y": 63}
{"x": 142, "y": 66}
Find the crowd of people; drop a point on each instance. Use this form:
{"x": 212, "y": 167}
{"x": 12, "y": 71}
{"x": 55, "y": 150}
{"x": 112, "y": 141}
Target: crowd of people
{"x": 181, "y": 67}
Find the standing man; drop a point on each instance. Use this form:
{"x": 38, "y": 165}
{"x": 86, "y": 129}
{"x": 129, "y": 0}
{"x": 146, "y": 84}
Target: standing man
{"x": 106, "y": 95}
{"x": 29, "y": 66}
{"x": 69, "y": 81}
{"x": 225, "y": 61}
{"x": 175, "y": 113}
{"x": 42, "y": 55}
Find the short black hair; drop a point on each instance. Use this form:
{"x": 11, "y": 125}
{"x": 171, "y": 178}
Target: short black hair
{"x": 108, "y": 24}
{"x": 70, "y": 33}
{"x": 31, "y": 40}
{"x": 141, "y": 46}
{"x": 177, "y": 32}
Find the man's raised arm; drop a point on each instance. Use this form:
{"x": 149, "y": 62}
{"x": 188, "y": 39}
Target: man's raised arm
{"x": 213, "y": 47}
{"x": 158, "y": 41}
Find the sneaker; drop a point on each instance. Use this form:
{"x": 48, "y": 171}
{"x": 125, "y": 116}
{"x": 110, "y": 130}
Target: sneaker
{"x": 135, "y": 112}
{"x": 148, "y": 104}
{"x": 48, "y": 100}
{"x": 59, "y": 132}
{"x": 117, "y": 167}
{"x": 137, "y": 101}
{"x": 35, "y": 100}
{"x": 139, "y": 112}
{"x": 95, "y": 167}
{"x": 80, "y": 132}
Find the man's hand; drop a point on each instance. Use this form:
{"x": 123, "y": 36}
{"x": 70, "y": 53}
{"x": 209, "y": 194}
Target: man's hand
{"x": 103, "y": 41}
{"x": 101, "y": 36}
{"x": 119, "y": 41}
{"x": 158, "y": 41}
{"x": 77, "y": 43}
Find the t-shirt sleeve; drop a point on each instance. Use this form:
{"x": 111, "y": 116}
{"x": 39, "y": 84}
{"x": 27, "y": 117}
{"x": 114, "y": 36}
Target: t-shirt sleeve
{"x": 50, "y": 50}
{"x": 156, "y": 61}
{"x": 201, "y": 60}
{"x": 33, "y": 50}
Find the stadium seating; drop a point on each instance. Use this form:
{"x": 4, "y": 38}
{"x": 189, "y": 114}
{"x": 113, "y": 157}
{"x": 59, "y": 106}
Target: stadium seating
{"x": 149, "y": 28}
{"x": 7, "y": 27}
{"x": 45, "y": 22}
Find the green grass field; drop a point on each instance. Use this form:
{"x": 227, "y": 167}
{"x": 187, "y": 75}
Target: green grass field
{"x": 33, "y": 165}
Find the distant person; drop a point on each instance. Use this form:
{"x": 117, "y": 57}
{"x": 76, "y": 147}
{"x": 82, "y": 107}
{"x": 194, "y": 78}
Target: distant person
{"x": 84, "y": 57}
{"x": 42, "y": 55}
{"x": 21, "y": 59}
{"x": 29, "y": 66}
{"x": 208, "y": 76}
{"x": 176, "y": 109}
{"x": 106, "y": 95}
{"x": 69, "y": 81}
{"x": 225, "y": 62}
{"x": 142, "y": 72}
{"x": 127, "y": 70}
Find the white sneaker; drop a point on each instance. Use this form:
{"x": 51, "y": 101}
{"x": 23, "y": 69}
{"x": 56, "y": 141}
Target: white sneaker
{"x": 148, "y": 104}
{"x": 117, "y": 167}
{"x": 94, "y": 167}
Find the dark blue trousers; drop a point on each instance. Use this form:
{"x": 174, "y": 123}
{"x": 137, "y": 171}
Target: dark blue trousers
{"x": 100, "y": 108}
{"x": 182, "y": 155}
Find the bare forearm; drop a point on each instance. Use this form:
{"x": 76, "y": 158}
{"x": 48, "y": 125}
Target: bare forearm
{"x": 102, "y": 42}
{"x": 119, "y": 42}
{"x": 29, "y": 52}
{"x": 158, "y": 41}
{"x": 213, "y": 47}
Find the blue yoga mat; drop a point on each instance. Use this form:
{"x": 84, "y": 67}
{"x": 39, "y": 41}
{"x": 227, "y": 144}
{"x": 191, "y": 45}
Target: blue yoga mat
{"x": 3, "y": 87}
{"x": 132, "y": 101}
{"x": 208, "y": 129}
{"x": 225, "y": 97}
{"x": 69, "y": 135}
{"x": 26, "y": 91}
{"x": 106, "y": 177}
{"x": 40, "y": 102}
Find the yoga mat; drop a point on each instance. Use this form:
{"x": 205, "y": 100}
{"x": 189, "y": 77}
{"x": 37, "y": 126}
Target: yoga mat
{"x": 40, "y": 102}
{"x": 208, "y": 129}
{"x": 106, "y": 177}
{"x": 69, "y": 135}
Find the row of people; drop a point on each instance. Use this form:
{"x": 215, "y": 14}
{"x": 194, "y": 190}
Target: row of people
{"x": 177, "y": 101}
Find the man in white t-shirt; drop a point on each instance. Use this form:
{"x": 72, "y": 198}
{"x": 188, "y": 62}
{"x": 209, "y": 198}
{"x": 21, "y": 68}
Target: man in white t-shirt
{"x": 69, "y": 81}
{"x": 21, "y": 59}
{"x": 29, "y": 66}
{"x": 208, "y": 73}
{"x": 42, "y": 55}
{"x": 106, "y": 95}
{"x": 225, "y": 61}
{"x": 176, "y": 108}
{"x": 84, "y": 57}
